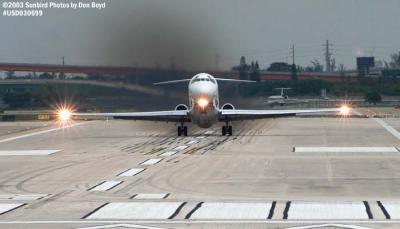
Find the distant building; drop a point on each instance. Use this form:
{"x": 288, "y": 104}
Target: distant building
{"x": 364, "y": 64}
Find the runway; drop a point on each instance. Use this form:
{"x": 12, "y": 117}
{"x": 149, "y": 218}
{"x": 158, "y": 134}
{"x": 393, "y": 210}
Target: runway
{"x": 274, "y": 173}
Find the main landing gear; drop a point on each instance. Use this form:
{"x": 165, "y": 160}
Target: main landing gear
{"x": 227, "y": 129}
{"x": 182, "y": 130}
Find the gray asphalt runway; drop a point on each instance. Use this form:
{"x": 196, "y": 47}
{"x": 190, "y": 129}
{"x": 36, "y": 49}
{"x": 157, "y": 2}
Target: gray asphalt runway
{"x": 126, "y": 173}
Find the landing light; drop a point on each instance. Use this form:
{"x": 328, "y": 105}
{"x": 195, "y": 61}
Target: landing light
{"x": 344, "y": 110}
{"x": 202, "y": 102}
{"x": 64, "y": 115}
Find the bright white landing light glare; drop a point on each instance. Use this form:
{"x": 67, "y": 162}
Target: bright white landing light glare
{"x": 344, "y": 110}
{"x": 64, "y": 115}
{"x": 202, "y": 102}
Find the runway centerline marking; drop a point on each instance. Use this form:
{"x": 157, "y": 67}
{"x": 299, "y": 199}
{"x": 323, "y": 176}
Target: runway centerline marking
{"x": 150, "y": 196}
{"x": 41, "y": 132}
{"x": 130, "y": 172}
{"x": 181, "y": 147}
{"x": 389, "y": 128}
{"x": 152, "y": 161}
{"x": 105, "y": 186}
{"x": 168, "y": 153}
{"x": 27, "y": 152}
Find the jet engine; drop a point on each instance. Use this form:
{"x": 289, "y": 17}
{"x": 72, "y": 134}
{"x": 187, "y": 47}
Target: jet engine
{"x": 181, "y": 107}
{"x": 228, "y": 106}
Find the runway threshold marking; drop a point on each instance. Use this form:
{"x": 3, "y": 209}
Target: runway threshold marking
{"x": 152, "y": 161}
{"x": 391, "y": 209}
{"x": 303, "y": 210}
{"x": 137, "y": 210}
{"x": 131, "y": 172}
{"x": 346, "y": 150}
{"x": 4, "y": 208}
{"x": 27, "y": 152}
{"x": 145, "y": 196}
{"x": 105, "y": 186}
{"x": 40, "y": 132}
{"x": 232, "y": 211}
{"x": 389, "y": 128}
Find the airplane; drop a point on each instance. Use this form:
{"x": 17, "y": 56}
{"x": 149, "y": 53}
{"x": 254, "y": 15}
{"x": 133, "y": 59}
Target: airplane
{"x": 278, "y": 99}
{"x": 204, "y": 109}
{"x": 284, "y": 99}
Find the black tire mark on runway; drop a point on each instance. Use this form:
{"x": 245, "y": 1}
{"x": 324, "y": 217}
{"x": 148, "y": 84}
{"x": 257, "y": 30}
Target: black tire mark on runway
{"x": 271, "y": 210}
{"x": 95, "y": 210}
{"x": 368, "y": 210}
{"x": 286, "y": 211}
{"x": 193, "y": 210}
{"x": 387, "y": 215}
{"x": 177, "y": 210}
{"x": 21, "y": 183}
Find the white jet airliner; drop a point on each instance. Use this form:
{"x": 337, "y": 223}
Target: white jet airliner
{"x": 204, "y": 109}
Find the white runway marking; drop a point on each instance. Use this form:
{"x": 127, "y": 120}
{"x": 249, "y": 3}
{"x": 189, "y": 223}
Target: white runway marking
{"x": 191, "y": 142}
{"x": 232, "y": 211}
{"x": 260, "y": 221}
{"x": 8, "y": 207}
{"x": 40, "y": 132}
{"x": 27, "y": 152}
{"x": 331, "y": 225}
{"x": 327, "y": 210}
{"x": 391, "y": 130}
{"x": 105, "y": 186}
{"x": 346, "y": 150}
{"x": 200, "y": 137}
{"x": 181, "y": 147}
{"x": 121, "y": 226}
{"x": 150, "y": 196}
{"x": 22, "y": 196}
{"x": 209, "y": 132}
{"x": 151, "y": 161}
{"x": 168, "y": 153}
{"x": 393, "y": 208}
{"x": 136, "y": 210}
{"x": 130, "y": 172}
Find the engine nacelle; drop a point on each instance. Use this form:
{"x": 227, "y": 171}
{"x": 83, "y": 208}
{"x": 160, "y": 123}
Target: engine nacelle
{"x": 181, "y": 107}
{"x": 228, "y": 106}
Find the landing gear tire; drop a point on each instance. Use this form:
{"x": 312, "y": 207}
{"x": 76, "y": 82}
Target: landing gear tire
{"x": 230, "y": 130}
{"x": 179, "y": 131}
{"x": 182, "y": 130}
{"x": 223, "y": 130}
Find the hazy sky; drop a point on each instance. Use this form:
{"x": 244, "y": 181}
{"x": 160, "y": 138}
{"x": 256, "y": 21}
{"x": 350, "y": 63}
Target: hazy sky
{"x": 192, "y": 33}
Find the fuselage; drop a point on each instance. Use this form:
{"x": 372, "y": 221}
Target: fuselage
{"x": 203, "y": 100}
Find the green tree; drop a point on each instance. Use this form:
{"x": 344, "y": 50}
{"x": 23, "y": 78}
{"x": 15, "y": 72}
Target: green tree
{"x": 373, "y": 97}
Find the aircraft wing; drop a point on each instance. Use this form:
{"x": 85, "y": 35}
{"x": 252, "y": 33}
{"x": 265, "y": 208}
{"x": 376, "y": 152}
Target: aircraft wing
{"x": 233, "y": 115}
{"x": 168, "y": 116}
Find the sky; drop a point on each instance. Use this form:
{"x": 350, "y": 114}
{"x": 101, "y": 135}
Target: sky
{"x": 204, "y": 35}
